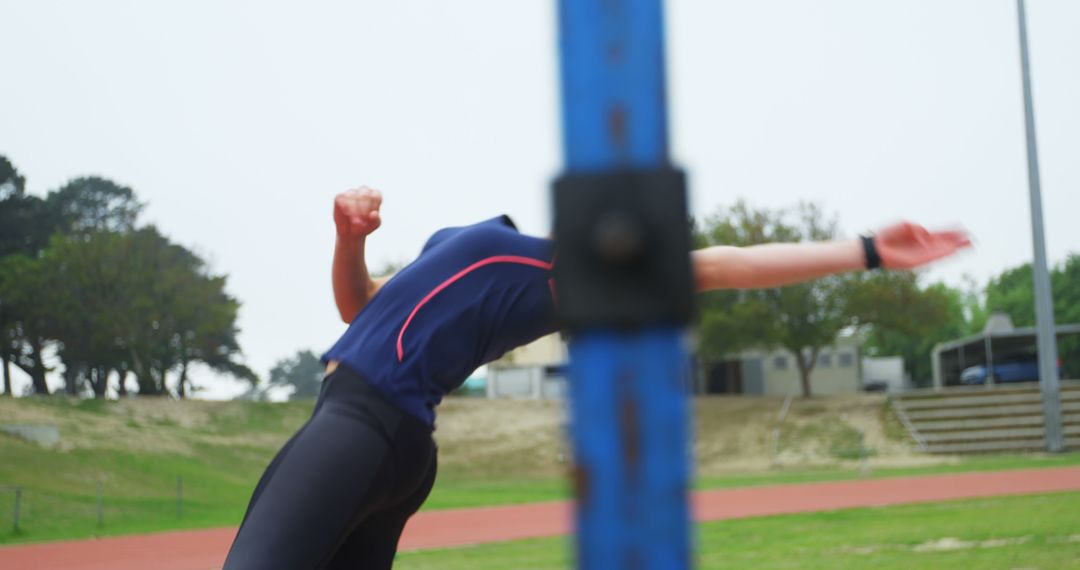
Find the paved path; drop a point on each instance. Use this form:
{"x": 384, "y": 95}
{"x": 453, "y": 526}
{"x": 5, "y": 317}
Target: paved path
{"x": 205, "y": 549}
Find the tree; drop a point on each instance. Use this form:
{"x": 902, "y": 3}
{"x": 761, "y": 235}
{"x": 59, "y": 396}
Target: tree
{"x": 801, "y": 318}
{"x": 115, "y": 300}
{"x": 24, "y": 227}
{"x": 136, "y": 303}
{"x": 24, "y": 230}
{"x": 906, "y": 319}
{"x": 31, "y": 290}
{"x": 25, "y": 294}
{"x": 178, "y": 314}
{"x": 6, "y": 337}
{"x": 11, "y": 182}
{"x": 83, "y": 274}
{"x": 303, "y": 372}
{"x": 207, "y": 331}
{"x": 91, "y": 204}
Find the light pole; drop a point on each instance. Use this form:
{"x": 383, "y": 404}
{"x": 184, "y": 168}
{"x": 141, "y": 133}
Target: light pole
{"x": 1044, "y": 306}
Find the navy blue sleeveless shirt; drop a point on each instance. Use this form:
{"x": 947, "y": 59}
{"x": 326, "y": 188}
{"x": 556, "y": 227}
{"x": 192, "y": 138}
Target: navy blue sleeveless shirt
{"x": 474, "y": 293}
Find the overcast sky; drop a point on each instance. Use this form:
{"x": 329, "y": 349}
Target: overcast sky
{"x": 237, "y": 123}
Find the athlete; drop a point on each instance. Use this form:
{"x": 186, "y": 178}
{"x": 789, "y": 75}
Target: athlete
{"x": 339, "y": 492}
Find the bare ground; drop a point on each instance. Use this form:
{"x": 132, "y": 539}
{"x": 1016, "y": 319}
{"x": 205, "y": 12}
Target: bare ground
{"x": 732, "y": 434}
{"x": 519, "y": 438}
{"x": 160, "y": 425}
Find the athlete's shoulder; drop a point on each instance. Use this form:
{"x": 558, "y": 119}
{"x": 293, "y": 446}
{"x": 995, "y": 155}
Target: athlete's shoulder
{"x": 493, "y": 227}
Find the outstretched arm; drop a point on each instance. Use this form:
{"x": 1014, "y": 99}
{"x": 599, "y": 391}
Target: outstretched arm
{"x": 901, "y": 246}
{"x": 356, "y": 215}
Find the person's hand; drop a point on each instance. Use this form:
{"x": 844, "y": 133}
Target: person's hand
{"x": 356, "y": 212}
{"x": 906, "y": 245}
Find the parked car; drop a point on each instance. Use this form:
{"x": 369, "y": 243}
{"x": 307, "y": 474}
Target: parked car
{"x": 875, "y": 386}
{"x": 1011, "y": 368}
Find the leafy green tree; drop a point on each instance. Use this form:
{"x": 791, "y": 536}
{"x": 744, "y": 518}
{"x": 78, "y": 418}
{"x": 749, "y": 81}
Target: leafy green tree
{"x": 24, "y": 230}
{"x": 30, "y": 294}
{"x": 303, "y": 372}
{"x": 1065, "y": 282}
{"x": 6, "y": 334}
{"x": 115, "y": 300}
{"x": 11, "y": 182}
{"x": 90, "y": 204}
{"x": 207, "y": 331}
{"x": 80, "y": 315}
{"x": 8, "y": 325}
{"x": 24, "y": 223}
{"x": 1012, "y": 292}
{"x": 178, "y": 314}
{"x": 25, "y": 295}
{"x": 136, "y": 303}
{"x": 801, "y": 318}
{"x": 905, "y": 318}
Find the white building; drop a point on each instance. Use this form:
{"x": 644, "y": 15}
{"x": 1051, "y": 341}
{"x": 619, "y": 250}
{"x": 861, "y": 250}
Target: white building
{"x": 537, "y": 370}
{"x": 838, "y": 370}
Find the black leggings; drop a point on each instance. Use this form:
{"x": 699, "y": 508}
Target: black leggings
{"x": 338, "y": 493}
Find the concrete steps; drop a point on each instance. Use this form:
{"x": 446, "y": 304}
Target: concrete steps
{"x": 978, "y": 419}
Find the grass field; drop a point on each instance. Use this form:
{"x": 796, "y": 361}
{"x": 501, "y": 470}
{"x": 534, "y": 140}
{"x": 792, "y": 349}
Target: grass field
{"x": 137, "y": 449}
{"x": 1029, "y": 532}
{"x": 137, "y": 460}
{"x": 451, "y": 492}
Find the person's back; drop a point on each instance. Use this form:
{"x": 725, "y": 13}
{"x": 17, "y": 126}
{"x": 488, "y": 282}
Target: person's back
{"x": 474, "y": 293}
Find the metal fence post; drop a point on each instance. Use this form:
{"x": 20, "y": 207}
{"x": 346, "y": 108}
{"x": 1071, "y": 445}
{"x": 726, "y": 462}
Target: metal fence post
{"x": 18, "y": 506}
{"x": 100, "y": 504}
{"x": 864, "y": 460}
{"x": 776, "y": 431}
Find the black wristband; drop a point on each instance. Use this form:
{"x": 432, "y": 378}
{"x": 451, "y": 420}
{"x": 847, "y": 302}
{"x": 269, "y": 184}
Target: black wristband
{"x": 873, "y": 260}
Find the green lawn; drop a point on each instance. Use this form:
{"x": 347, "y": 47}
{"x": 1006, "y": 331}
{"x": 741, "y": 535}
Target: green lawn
{"x": 60, "y": 488}
{"x": 1030, "y": 532}
{"x": 138, "y": 448}
{"x": 964, "y": 465}
{"x": 219, "y": 460}
{"x": 59, "y": 498}
{"x": 451, "y": 492}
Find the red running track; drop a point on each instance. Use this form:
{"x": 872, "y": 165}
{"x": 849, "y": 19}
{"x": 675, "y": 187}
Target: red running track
{"x": 205, "y": 549}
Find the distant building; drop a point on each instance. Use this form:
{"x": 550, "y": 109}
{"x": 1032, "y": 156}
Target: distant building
{"x": 999, "y": 342}
{"x": 838, "y": 370}
{"x": 885, "y": 374}
{"x": 538, "y": 370}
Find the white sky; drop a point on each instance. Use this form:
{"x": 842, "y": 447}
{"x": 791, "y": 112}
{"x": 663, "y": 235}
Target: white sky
{"x": 237, "y": 122}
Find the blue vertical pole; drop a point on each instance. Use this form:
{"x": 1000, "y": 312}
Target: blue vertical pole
{"x": 613, "y": 95}
{"x": 628, "y": 384}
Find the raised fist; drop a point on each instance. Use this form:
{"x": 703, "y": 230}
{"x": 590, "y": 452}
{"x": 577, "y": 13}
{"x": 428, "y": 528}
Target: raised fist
{"x": 356, "y": 212}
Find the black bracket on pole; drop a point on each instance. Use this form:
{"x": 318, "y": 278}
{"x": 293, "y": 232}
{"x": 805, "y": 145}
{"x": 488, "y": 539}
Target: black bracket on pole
{"x": 623, "y": 249}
